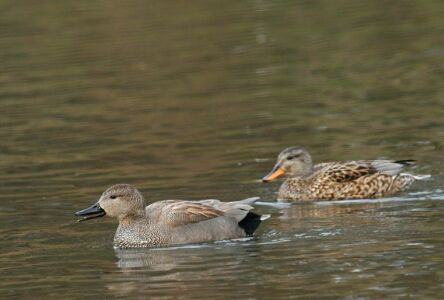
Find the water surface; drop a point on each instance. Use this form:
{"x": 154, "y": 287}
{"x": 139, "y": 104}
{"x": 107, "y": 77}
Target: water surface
{"x": 195, "y": 100}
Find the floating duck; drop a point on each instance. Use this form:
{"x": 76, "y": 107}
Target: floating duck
{"x": 172, "y": 222}
{"x": 353, "y": 179}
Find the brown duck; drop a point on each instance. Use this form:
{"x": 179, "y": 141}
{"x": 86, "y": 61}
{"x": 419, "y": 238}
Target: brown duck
{"x": 171, "y": 222}
{"x": 338, "y": 180}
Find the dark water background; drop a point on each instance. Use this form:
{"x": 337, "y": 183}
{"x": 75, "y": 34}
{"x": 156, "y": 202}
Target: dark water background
{"x": 194, "y": 99}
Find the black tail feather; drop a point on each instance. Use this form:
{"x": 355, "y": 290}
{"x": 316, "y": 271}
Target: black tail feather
{"x": 250, "y": 223}
{"x": 406, "y": 162}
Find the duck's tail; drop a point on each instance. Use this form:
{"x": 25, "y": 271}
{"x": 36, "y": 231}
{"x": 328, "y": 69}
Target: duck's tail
{"x": 251, "y": 222}
{"x": 406, "y": 162}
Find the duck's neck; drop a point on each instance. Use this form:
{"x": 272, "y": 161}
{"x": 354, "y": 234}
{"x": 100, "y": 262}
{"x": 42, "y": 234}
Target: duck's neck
{"x": 307, "y": 171}
{"x": 303, "y": 171}
{"x": 132, "y": 218}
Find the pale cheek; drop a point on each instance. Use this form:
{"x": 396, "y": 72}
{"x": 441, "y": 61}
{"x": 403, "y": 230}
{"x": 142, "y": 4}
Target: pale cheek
{"x": 295, "y": 167}
{"x": 110, "y": 213}
{"x": 109, "y": 208}
{"x": 114, "y": 208}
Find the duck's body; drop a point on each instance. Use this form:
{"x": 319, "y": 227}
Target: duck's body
{"x": 346, "y": 180}
{"x": 172, "y": 222}
{"x": 339, "y": 180}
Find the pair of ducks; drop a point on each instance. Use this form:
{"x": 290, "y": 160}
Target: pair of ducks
{"x": 171, "y": 222}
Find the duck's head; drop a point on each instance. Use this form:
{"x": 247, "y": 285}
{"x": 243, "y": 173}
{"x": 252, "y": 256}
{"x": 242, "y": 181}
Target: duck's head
{"x": 118, "y": 201}
{"x": 293, "y": 161}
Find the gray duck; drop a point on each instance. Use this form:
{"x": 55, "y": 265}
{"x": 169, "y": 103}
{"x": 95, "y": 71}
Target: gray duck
{"x": 171, "y": 222}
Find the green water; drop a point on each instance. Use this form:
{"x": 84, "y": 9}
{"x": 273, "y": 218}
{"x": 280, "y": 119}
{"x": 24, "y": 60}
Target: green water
{"x": 194, "y": 99}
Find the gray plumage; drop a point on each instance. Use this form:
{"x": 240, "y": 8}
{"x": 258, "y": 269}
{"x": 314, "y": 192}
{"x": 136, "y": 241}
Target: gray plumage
{"x": 171, "y": 222}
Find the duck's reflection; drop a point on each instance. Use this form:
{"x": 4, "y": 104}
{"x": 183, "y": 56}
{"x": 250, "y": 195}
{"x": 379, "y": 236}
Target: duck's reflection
{"x": 165, "y": 259}
{"x": 325, "y": 209}
{"x": 182, "y": 268}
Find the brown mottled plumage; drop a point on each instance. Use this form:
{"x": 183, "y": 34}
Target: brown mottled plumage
{"x": 338, "y": 180}
{"x": 171, "y": 222}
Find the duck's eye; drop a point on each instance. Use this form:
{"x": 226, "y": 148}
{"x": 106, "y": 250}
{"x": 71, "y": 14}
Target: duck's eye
{"x": 293, "y": 156}
{"x": 113, "y": 196}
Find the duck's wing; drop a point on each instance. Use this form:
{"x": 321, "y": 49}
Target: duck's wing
{"x": 179, "y": 212}
{"x": 244, "y": 204}
{"x": 352, "y": 170}
{"x": 391, "y": 167}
